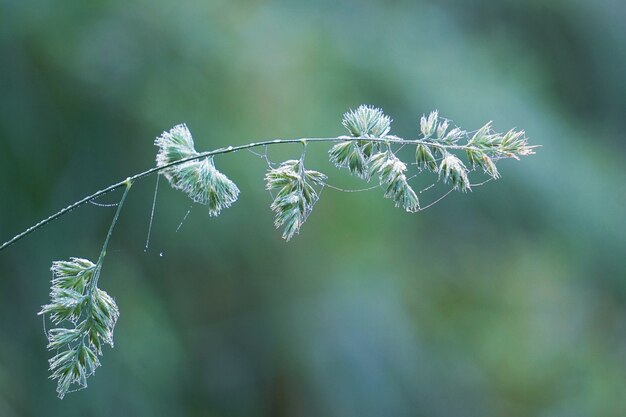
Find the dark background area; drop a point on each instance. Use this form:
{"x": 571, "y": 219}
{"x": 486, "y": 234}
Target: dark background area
{"x": 508, "y": 301}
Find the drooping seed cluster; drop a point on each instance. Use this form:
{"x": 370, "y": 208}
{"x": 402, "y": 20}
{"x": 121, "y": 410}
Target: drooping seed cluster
{"x": 89, "y": 315}
{"x": 199, "y": 178}
{"x": 296, "y": 194}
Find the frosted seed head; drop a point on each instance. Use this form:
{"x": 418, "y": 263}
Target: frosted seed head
{"x": 367, "y": 121}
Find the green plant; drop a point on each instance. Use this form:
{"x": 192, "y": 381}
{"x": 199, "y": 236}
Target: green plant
{"x": 85, "y": 315}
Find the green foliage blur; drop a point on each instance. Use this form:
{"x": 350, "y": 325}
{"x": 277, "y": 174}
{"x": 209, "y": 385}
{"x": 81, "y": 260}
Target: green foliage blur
{"x": 507, "y": 301}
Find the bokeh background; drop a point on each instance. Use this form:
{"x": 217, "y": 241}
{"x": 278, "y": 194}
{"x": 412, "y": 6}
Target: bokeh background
{"x": 508, "y": 301}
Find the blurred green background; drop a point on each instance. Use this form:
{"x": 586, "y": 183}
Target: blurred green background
{"x": 508, "y": 301}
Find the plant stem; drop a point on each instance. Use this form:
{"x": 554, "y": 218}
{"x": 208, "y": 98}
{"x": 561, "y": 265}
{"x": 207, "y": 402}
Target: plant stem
{"x": 219, "y": 151}
{"x": 93, "y": 284}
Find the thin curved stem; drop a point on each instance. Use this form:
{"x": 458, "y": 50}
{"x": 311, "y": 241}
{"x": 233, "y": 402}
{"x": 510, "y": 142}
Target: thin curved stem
{"x": 94, "y": 282}
{"x": 103, "y": 252}
{"x": 219, "y": 151}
